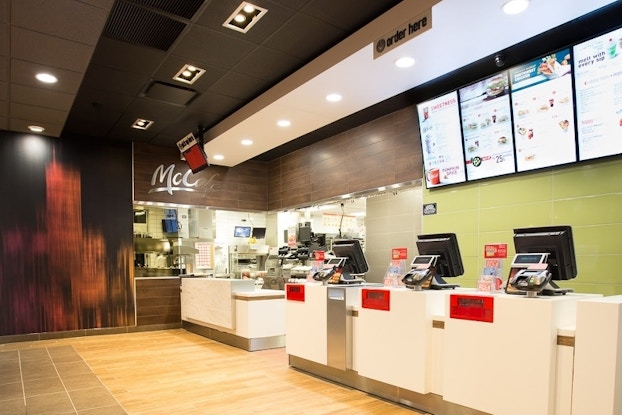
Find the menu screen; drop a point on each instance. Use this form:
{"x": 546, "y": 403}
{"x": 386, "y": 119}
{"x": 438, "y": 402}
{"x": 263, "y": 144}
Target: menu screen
{"x": 441, "y": 140}
{"x": 598, "y": 82}
{"x": 543, "y": 113}
{"x": 487, "y": 128}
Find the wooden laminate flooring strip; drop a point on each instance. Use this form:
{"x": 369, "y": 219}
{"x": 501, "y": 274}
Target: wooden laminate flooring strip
{"x": 175, "y": 372}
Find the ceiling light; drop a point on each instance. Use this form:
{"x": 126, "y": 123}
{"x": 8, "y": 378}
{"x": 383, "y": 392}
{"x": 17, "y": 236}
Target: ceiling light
{"x": 47, "y": 78}
{"x": 515, "y": 6}
{"x": 244, "y": 17}
{"x": 218, "y": 157}
{"x": 36, "y": 128}
{"x": 404, "y": 62}
{"x": 247, "y": 142}
{"x": 142, "y": 124}
{"x": 283, "y": 123}
{"x": 188, "y": 74}
{"x": 333, "y": 97}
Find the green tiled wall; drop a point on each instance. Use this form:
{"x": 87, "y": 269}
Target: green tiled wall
{"x": 587, "y": 196}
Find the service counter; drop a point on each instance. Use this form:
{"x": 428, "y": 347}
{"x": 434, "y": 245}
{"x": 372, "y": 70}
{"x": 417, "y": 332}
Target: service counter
{"x": 455, "y": 351}
{"x": 234, "y": 311}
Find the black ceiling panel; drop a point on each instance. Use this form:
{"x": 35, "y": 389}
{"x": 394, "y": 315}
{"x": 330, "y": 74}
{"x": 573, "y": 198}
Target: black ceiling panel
{"x": 213, "y": 48}
{"x": 293, "y": 37}
{"x": 344, "y": 16}
{"x": 266, "y": 63}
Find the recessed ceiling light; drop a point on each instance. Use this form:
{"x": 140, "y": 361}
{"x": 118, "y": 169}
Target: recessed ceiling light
{"x": 515, "y": 6}
{"x": 244, "y": 17}
{"x": 142, "y": 124}
{"x": 283, "y": 123}
{"x": 404, "y": 62}
{"x": 247, "y": 142}
{"x": 188, "y": 74}
{"x": 333, "y": 97}
{"x": 46, "y": 77}
{"x": 36, "y": 128}
{"x": 218, "y": 157}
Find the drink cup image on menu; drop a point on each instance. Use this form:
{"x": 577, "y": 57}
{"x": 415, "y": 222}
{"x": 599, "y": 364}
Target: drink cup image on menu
{"x": 433, "y": 176}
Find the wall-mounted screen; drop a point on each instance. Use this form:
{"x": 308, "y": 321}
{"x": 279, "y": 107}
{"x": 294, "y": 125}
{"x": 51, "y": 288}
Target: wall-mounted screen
{"x": 543, "y": 112}
{"x": 242, "y": 232}
{"x": 598, "y": 86}
{"x": 441, "y": 140}
{"x": 487, "y": 127}
{"x": 259, "y": 233}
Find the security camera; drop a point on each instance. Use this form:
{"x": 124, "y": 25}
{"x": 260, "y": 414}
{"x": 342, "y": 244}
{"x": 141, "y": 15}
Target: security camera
{"x": 500, "y": 59}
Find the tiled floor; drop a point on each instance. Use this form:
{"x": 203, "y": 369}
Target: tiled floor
{"x": 51, "y": 380}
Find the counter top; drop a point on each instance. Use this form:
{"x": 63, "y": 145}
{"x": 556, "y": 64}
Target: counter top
{"x": 259, "y": 295}
{"x": 159, "y": 277}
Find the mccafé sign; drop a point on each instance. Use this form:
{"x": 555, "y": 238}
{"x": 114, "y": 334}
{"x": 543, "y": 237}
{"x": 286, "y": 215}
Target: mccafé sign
{"x": 169, "y": 180}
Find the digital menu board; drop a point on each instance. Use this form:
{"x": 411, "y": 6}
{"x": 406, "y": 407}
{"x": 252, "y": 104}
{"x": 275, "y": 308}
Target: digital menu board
{"x": 543, "y": 113}
{"x": 487, "y": 128}
{"x": 598, "y": 89}
{"x": 441, "y": 140}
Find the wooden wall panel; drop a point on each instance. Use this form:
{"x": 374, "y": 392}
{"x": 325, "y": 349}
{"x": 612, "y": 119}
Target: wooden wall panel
{"x": 382, "y": 152}
{"x": 158, "y": 301}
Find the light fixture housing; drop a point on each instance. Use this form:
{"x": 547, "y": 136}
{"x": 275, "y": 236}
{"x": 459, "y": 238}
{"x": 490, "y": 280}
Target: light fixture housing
{"x": 404, "y": 62}
{"x": 333, "y": 97}
{"x": 141, "y": 124}
{"x": 244, "y": 17}
{"x": 46, "y": 78}
{"x": 515, "y": 6}
{"x": 36, "y": 128}
{"x": 188, "y": 74}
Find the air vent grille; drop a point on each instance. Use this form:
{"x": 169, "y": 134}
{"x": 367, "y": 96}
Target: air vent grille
{"x": 181, "y": 8}
{"x": 135, "y": 24}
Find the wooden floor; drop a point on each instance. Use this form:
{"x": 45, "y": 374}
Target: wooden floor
{"x": 177, "y": 372}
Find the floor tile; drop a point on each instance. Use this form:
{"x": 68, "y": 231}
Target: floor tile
{"x": 77, "y": 382}
{"x": 43, "y": 387}
{"x": 10, "y": 391}
{"x": 13, "y": 407}
{"x": 106, "y": 410}
{"x": 92, "y": 398}
{"x": 48, "y": 404}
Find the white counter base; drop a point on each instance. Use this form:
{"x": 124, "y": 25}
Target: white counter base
{"x": 234, "y": 312}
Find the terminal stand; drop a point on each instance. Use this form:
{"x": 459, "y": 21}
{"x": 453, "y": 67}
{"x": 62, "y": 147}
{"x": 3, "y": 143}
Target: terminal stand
{"x": 422, "y": 275}
{"x": 530, "y": 275}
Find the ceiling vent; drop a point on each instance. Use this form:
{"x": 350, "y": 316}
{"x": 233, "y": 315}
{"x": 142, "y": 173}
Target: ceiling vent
{"x": 182, "y": 8}
{"x": 170, "y": 94}
{"x": 139, "y": 25}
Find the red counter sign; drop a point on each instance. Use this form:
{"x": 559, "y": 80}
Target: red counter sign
{"x": 399, "y": 253}
{"x": 496, "y": 251}
{"x": 295, "y": 292}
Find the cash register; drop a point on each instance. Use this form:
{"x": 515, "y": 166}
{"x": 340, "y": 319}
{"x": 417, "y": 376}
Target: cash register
{"x": 348, "y": 267}
{"x": 439, "y": 258}
{"x": 543, "y": 255}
